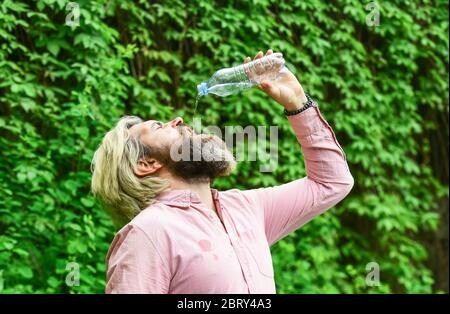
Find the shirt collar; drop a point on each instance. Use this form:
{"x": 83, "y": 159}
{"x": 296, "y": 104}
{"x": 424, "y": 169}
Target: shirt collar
{"x": 182, "y": 198}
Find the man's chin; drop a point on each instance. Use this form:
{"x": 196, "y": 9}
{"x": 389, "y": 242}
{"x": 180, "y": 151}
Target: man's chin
{"x": 199, "y": 157}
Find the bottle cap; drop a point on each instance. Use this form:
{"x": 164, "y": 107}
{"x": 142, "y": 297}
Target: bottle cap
{"x": 202, "y": 89}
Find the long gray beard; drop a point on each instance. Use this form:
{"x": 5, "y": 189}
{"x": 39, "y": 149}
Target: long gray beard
{"x": 199, "y": 157}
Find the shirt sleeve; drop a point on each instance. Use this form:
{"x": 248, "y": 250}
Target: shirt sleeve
{"x": 134, "y": 264}
{"x": 289, "y": 206}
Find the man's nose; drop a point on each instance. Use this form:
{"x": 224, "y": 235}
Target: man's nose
{"x": 175, "y": 122}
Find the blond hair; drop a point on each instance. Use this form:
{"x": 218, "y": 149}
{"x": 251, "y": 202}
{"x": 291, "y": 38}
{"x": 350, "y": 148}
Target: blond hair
{"x": 114, "y": 182}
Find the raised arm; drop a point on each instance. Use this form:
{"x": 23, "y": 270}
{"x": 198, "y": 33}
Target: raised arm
{"x": 289, "y": 206}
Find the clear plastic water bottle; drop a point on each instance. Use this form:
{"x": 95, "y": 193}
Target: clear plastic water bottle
{"x": 230, "y": 81}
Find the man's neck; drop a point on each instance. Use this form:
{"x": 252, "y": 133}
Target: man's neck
{"x": 203, "y": 190}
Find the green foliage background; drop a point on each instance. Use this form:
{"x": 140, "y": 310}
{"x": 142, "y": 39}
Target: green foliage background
{"x": 384, "y": 90}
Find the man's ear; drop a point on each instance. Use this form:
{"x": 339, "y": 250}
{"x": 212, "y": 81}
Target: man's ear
{"x": 147, "y": 167}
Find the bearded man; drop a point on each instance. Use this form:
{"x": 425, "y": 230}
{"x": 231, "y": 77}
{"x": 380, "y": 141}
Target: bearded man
{"x": 182, "y": 236}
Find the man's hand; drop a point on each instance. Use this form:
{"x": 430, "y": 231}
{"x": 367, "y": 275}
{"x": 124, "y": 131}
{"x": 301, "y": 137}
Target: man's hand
{"x": 287, "y": 90}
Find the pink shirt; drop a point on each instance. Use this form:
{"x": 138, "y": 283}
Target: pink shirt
{"x": 177, "y": 245}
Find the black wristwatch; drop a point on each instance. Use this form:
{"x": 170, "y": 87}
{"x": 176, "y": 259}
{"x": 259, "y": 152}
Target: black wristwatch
{"x": 309, "y": 103}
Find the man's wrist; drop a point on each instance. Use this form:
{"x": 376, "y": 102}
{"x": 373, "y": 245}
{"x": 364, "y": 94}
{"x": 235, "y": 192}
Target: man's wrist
{"x": 305, "y": 105}
{"x": 297, "y": 104}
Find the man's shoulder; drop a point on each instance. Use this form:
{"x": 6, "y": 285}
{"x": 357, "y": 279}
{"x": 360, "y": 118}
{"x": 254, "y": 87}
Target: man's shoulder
{"x": 154, "y": 216}
{"x": 152, "y": 221}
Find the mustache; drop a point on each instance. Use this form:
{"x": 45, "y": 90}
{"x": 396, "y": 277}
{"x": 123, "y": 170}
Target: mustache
{"x": 181, "y": 126}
